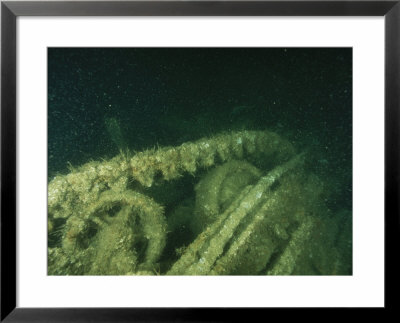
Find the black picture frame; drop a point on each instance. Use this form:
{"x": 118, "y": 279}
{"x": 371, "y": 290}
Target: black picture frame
{"x": 10, "y": 10}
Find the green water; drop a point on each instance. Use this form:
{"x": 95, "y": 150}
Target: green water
{"x": 104, "y": 100}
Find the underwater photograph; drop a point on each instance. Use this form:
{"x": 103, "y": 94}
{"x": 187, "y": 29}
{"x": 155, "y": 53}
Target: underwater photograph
{"x": 200, "y": 161}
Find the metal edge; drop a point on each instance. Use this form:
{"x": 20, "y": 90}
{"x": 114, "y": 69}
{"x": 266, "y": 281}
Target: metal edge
{"x": 392, "y": 149}
{"x": 8, "y": 161}
{"x": 200, "y": 8}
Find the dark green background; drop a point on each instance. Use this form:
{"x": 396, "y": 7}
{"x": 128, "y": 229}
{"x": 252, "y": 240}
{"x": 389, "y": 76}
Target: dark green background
{"x": 166, "y": 96}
